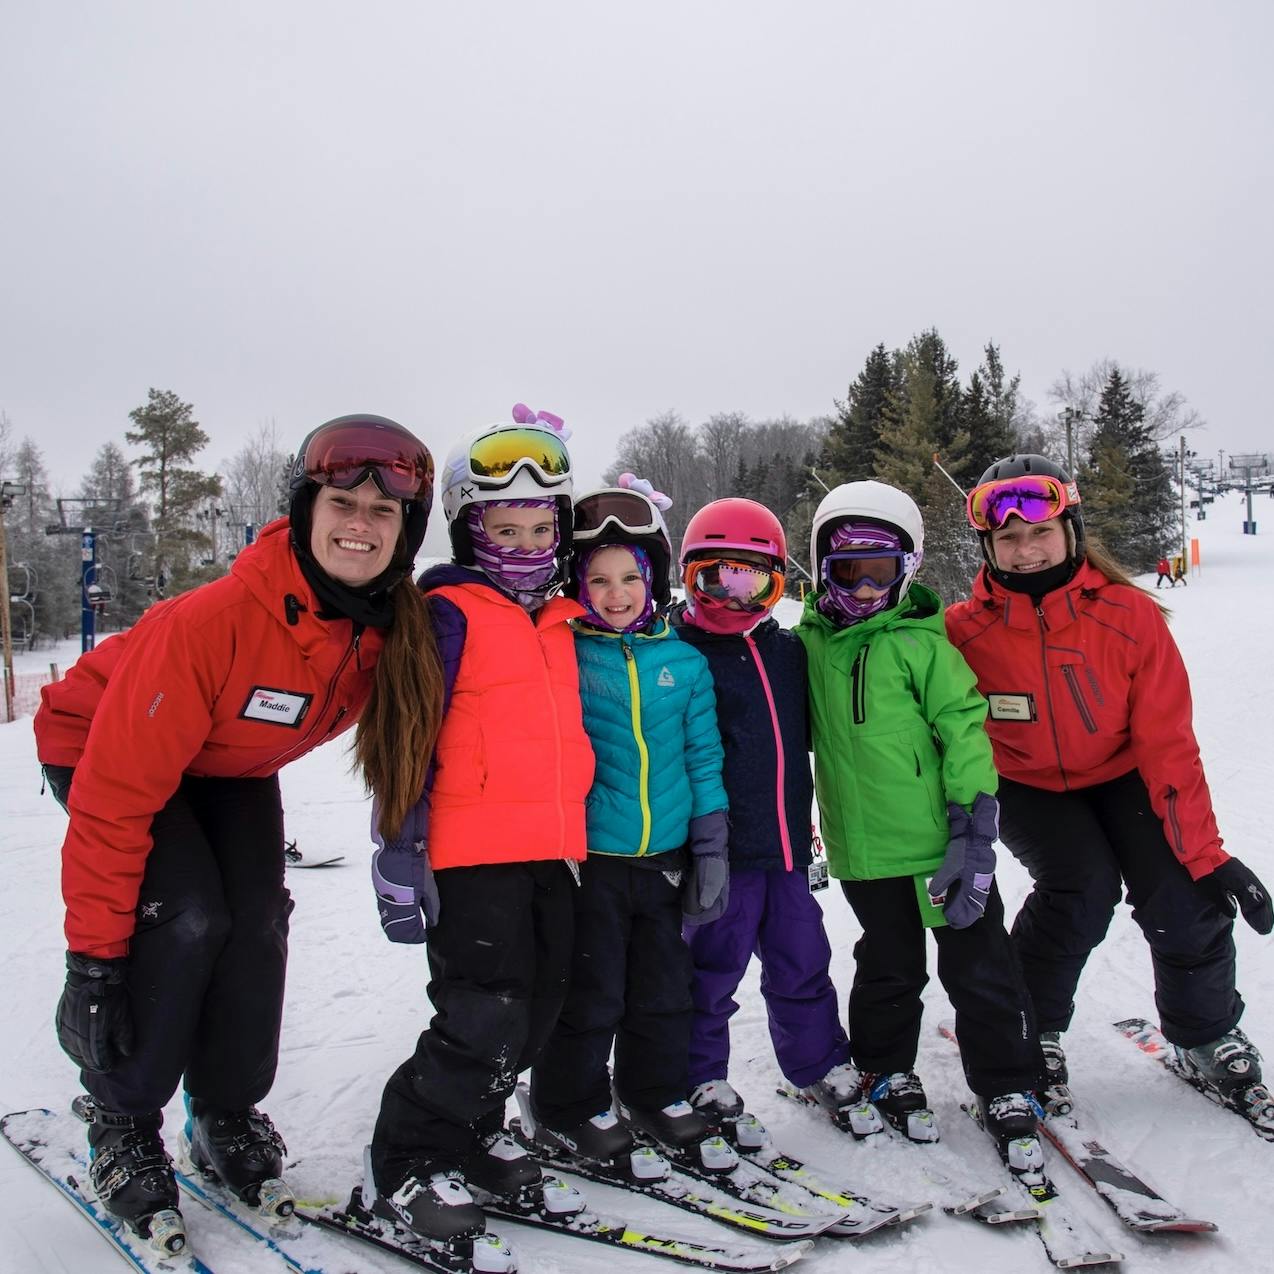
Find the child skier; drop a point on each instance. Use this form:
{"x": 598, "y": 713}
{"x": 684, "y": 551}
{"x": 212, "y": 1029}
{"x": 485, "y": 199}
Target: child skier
{"x": 481, "y": 854}
{"x": 651, "y": 715}
{"x": 733, "y": 559}
{"x": 906, "y": 788}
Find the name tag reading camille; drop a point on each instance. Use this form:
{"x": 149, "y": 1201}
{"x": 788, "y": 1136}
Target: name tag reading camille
{"x": 1012, "y": 707}
{"x": 279, "y": 707}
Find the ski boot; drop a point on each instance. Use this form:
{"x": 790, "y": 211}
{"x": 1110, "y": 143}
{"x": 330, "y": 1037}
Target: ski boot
{"x": 1013, "y": 1120}
{"x": 291, "y": 854}
{"x": 841, "y": 1092}
{"x": 132, "y": 1176}
{"x": 723, "y": 1108}
{"x": 600, "y": 1138}
{"x": 502, "y": 1169}
{"x": 900, "y": 1097}
{"x": 1228, "y": 1065}
{"x": 433, "y": 1203}
{"x": 241, "y": 1149}
{"x": 677, "y": 1126}
{"x": 1055, "y": 1096}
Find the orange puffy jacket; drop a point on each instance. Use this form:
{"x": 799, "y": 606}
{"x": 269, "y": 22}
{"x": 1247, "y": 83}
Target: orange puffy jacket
{"x": 513, "y": 763}
{"x": 231, "y": 680}
{"x": 1085, "y": 689}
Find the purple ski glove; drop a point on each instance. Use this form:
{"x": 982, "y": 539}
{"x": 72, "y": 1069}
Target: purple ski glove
{"x": 706, "y": 892}
{"x": 406, "y": 892}
{"x": 962, "y": 884}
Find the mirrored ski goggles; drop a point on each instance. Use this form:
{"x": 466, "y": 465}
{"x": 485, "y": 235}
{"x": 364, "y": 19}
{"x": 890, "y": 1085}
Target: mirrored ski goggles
{"x": 624, "y": 510}
{"x": 1034, "y": 497}
{"x": 497, "y": 455}
{"x": 343, "y": 454}
{"x": 881, "y": 568}
{"x": 726, "y": 579}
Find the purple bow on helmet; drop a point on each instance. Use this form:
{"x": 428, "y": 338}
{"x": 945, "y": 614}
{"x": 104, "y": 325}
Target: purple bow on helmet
{"x": 525, "y": 416}
{"x": 643, "y": 487}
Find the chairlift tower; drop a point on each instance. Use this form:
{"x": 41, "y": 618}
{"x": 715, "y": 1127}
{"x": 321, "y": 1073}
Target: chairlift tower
{"x": 1247, "y": 463}
{"x": 77, "y": 517}
{"x": 9, "y": 491}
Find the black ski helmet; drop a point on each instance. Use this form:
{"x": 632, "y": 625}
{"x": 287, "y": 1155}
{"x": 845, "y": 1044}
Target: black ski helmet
{"x": 1015, "y": 466}
{"x": 387, "y": 435}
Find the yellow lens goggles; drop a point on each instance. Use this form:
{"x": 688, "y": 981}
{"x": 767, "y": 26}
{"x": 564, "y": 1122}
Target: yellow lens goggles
{"x": 495, "y": 456}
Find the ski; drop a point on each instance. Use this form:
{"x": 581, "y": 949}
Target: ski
{"x": 955, "y": 1197}
{"x": 1069, "y": 1242}
{"x": 485, "y": 1253}
{"x": 1138, "y": 1205}
{"x": 292, "y": 857}
{"x": 647, "y": 1173}
{"x": 751, "y": 1139}
{"x": 34, "y": 1134}
{"x": 1255, "y": 1105}
{"x": 562, "y": 1208}
{"x": 285, "y": 1239}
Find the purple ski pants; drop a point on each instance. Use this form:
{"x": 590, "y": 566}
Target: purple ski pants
{"x": 773, "y": 914}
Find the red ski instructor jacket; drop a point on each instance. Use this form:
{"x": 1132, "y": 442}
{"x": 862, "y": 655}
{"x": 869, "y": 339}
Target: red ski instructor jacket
{"x": 1087, "y": 686}
{"x": 231, "y": 680}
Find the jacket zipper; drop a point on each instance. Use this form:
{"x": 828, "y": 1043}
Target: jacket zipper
{"x": 1068, "y": 673}
{"x": 278, "y": 761}
{"x": 858, "y": 681}
{"x": 1048, "y": 695}
{"x": 643, "y": 782}
{"x": 1175, "y": 824}
{"x": 779, "y": 769}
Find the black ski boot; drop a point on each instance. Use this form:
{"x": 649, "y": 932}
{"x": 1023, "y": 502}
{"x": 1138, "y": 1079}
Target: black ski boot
{"x": 1056, "y": 1094}
{"x": 503, "y": 1169}
{"x": 1013, "y": 1119}
{"x": 842, "y": 1092}
{"x": 901, "y": 1098}
{"x": 132, "y": 1176}
{"x": 677, "y": 1126}
{"x": 600, "y": 1138}
{"x": 241, "y": 1149}
{"x": 717, "y": 1102}
{"x": 1229, "y": 1065}
{"x": 432, "y": 1202}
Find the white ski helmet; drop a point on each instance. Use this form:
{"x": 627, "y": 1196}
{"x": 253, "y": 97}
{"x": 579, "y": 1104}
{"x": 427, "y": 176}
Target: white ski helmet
{"x": 869, "y": 502}
{"x": 514, "y": 460}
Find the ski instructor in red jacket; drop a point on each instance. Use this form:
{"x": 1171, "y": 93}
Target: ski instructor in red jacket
{"x": 1102, "y": 788}
{"x": 164, "y": 745}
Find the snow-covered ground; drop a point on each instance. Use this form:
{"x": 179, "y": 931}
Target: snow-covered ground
{"x": 355, "y": 1004}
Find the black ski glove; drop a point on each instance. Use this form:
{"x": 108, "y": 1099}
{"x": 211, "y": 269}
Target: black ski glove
{"x": 94, "y": 1024}
{"x": 1232, "y": 882}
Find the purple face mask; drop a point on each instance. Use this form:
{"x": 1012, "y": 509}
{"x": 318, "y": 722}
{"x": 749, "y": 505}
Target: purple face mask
{"x": 840, "y": 603}
{"x": 593, "y": 619}
{"x": 514, "y": 570}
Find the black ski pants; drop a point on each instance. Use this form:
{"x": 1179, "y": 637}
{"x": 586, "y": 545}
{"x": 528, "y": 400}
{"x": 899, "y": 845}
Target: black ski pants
{"x": 1082, "y": 849}
{"x": 630, "y": 987}
{"x": 994, "y": 1021}
{"x": 499, "y": 957}
{"x": 207, "y": 959}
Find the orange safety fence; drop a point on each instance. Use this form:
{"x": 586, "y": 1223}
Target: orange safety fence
{"x": 23, "y": 699}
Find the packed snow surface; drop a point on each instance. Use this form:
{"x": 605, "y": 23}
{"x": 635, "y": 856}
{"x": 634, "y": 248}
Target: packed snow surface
{"x": 355, "y": 1004}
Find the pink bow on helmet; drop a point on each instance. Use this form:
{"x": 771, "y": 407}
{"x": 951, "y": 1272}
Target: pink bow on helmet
{"x": 643, "y": 487}
{"x": 525, "y": 416}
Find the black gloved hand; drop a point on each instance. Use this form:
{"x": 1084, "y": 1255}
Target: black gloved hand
{"x": 1232, "y": 882}
{"x": 94, "y": 1023}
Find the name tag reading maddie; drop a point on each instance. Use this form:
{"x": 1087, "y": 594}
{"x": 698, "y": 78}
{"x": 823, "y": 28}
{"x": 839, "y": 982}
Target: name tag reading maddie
{"x": 279, "y": 707}
{"x": 1010, "y": 707}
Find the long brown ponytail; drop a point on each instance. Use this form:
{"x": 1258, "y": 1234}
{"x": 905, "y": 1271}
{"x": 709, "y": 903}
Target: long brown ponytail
{"x": 1101, "y": 557}
{"x": 395, "y": 738}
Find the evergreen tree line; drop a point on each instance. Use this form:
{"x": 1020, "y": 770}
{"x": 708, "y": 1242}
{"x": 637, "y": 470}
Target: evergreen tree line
{"x": 162, "y": 524}
{"x": 908, "y": 420}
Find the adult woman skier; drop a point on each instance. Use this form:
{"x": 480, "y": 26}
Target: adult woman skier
{"x": 164, "y": 745}
{"x": 1101, "y": 786}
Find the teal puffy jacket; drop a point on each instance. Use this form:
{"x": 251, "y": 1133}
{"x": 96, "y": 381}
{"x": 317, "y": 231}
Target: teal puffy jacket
{"x": 898, "y": 730}
{"x": 651, "y": 715}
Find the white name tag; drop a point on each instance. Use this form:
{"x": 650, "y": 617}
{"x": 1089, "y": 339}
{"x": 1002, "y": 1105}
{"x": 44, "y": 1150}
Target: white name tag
{"x": 1007, "y": 707}
{"x": 279, "y": 707}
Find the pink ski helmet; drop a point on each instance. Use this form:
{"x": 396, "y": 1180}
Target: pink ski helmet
{"x": 735, "y": 523}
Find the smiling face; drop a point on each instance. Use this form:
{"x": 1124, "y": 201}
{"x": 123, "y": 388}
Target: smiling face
{"x": 513, "y": 528}
{"x": 616, "y": 590}
{"x": 353, "y": 533}
{"x": 1025, "y": 547}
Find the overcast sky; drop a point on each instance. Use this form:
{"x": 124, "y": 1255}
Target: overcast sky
{"x": 288, "y": 210}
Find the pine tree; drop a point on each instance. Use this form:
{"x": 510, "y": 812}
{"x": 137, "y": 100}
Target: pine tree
{"x": 1127, "y": 482}
{"x": 849, "y": 453}
{"x": 47, "y": 560}
{"x": 125, "y": 551}
{"x": 172, "y": 437}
